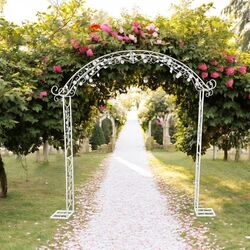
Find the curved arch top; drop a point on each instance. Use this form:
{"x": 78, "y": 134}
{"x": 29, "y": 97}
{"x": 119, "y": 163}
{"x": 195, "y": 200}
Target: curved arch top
{"x": 86, "y": 73}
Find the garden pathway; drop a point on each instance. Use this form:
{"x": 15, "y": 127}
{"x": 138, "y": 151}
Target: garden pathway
{"x": 133, "y": 215}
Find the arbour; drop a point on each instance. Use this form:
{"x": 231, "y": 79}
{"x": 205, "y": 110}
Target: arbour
{"x": 86, "y": 74}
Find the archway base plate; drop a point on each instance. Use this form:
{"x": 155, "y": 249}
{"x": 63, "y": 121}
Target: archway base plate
{"x": 205, "y": 212}
{"x": 62, "y": 214}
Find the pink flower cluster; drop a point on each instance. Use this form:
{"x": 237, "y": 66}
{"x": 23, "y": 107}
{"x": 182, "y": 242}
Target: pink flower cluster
{"x": 152, "y": 29}
{"x": 85, "y": 49}
{"x": 230, "y": 58}
{"x": 136, "y": 27}
{"x": 218, "y": 70}
{"x": 230, "y": 83}
{"x": 94, "y": 37}
{"x": 43, "y": 94}
{"x": 57, "y": 68}
{"x": 120, "y": 35}
{"x": 106, "y": 27}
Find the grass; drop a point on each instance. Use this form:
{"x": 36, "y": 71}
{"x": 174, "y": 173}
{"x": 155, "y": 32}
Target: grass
{"x": 24, "y": 215}
{"x": 225, "y": 187}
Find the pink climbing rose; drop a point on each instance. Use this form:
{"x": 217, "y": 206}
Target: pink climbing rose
{"x": 230, "y": 71}
{"x": 114, "y": 33}
{"x": 126, "y": 38}
{"x": 155, "y": 34}
{"x": 202, "y": 66}
{"x": 120, "y": 38}
{"x": 136, "y": 28}
{"x": 94, "y": 37}
{"x": 214, "y": 62}
{"x": 230, "y": 83}
{"x": 132, "y": 38}
{"x": 215, "y": 74}
{"x": 158, "y": 41}
{"x": 230, "y": 58}
{"x": 204, "y": 75}
{"x": 75, "y": 43}
{"x": 220, "y": 69}
{"x": 242, "y": 70}
{"x": 57, "y": 68}
{"x": 136, "y": 24}
{"x": 142, "y": 34}
{"x": 43, "y": 94}
{"x": 152, "y": 29}
{"x": 106, "y": 27}
{"x": 89, "y": 52}
{"x": 82, "y": 49}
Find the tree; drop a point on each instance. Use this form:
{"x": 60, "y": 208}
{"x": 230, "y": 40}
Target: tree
{"x": 156, "y": 106}
{"x": 97, "y": 137}
{"x": 3, "y": 180}
{"x": 2, "y": 3}
{"x": 49, "y": 51}
{"x": 239, "y": 10}
{"x": 107, "y": 130}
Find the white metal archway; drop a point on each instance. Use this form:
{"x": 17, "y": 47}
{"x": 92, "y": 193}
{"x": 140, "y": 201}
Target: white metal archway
{"x": 85, "y": 75}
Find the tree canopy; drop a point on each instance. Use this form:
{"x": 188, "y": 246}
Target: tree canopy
{"x": 45, "y": 53}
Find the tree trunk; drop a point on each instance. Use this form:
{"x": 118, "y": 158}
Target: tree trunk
{"x": 225, "y": 154}
{"x": 38, "y": 158}
{"x": 46, "y": 151}
{"x": 3, "y": 180}
{"x": 214, "y": 152}
{"x": 237, "y": 154}
{"x": 249, "y": 149}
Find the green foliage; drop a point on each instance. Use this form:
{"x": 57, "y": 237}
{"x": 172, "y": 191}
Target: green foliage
{"x": 107, "y": 130}
{"x": 64, "y": 33}
{"x": 157, "y": 132}
{"x": 97, "y": 138}
{"x": 157, "y": 104}
{"x": 239, "y": 11}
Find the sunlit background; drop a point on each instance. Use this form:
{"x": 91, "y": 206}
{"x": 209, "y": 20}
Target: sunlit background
{"x": 18, "y": 11}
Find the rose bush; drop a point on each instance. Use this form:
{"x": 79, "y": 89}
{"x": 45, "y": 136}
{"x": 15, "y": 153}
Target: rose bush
{"x": 58, "y": 45}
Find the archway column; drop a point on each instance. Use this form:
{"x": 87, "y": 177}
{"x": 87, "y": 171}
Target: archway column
{"x": 202, "y": 212}
{"x": 166, "y": 135}
{"x": 69, "y": 165}
{"x": 150, "y": 128}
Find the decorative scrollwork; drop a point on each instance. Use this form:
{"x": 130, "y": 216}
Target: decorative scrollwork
{"x": 87, "y": 72}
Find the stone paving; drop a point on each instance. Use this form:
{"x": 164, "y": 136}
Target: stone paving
{"x": 132, "y": 213}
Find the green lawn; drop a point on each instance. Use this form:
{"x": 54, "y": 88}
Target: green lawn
{"x": 24, "y": 215}
{"x": 225, "y": 186}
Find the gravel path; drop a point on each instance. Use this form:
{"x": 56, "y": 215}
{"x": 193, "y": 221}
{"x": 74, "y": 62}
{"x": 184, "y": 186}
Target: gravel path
{"x": 133, "y": 215}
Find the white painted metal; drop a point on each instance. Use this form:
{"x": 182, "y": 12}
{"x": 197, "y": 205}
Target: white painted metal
{"x": 68, "y": 156}
{"x": 86, "y": 74}
{"x": 200, "y": 211}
